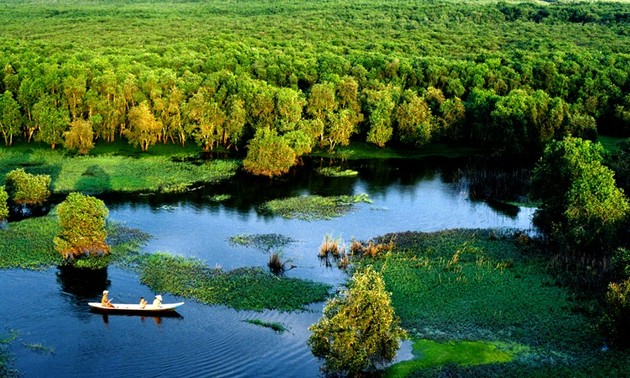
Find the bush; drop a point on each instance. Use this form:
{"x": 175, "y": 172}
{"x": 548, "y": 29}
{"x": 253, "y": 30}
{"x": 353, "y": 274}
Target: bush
{"x": 4, "y": 209}
{"x": 616, "y": 320}
{"x": 27, "y": 189}
{"x": 359, "y": 330}
{"x": 82, "y": 220}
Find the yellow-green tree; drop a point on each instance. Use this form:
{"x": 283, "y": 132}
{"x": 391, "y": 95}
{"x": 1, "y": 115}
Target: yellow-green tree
{"x": 144, "y": 129}
{"x": 27, "y": 189}
{"x": 269, "y": 154}
{"x": 82, "y": 220}
{"x": 79, "y": 137}
{"x": 359, "y": 330}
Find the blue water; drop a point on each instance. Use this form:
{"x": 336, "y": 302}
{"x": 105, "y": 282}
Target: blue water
{"x": 57, "y": 335}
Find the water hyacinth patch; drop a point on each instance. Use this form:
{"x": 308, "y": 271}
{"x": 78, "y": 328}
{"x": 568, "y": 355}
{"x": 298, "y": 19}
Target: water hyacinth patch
{"x": 278, "y": 327}
{"x": 313, "y": 207}
{"x": 241, "y": 289}
{"x": 337, "y": 172}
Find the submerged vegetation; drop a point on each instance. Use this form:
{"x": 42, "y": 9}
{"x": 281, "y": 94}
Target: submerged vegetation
{"x": 242, "y": 288}
{"x": 278, "y": 327}
{"x": 264, "y": 242}
{"x": 313, "y": 207}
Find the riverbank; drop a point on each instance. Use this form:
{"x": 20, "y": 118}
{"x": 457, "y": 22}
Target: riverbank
{"x": 488, "y": 294}
{"x": 117, "y": 167}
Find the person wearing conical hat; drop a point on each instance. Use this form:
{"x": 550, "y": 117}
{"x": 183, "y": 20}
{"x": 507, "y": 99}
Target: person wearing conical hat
{"x": 105, "y": 301}
{"x": 157, "y": 302}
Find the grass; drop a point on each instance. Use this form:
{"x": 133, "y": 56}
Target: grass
{"x": 489, "y": 286}
{"x": 362, "y": 150}
{"x": 430, "y": 354}
{"x": 241, "y": 289}
{"x": 28, "y": 244}
{"x": 108, "y": 171}
{"x": 278, "y": 327}
{"x": 313, "y": 207}
{"x": 264, "y": 242}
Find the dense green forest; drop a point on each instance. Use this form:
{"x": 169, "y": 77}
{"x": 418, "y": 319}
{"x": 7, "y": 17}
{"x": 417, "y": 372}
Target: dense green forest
{"x": 275, "y": 79}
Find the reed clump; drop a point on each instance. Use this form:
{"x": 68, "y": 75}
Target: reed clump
{"x": 331, "y": 247}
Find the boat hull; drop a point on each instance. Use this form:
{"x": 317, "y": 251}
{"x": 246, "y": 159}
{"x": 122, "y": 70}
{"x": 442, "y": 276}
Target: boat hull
{"x": 135, "y": 308}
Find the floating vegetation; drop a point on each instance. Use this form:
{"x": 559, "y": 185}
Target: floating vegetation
{"x": 264, "y": 242}
{"x": 219, "y": 197}
{"x": 242, "y": 288}
{"x": 337, "y": 172}
{"x": 39, "y": 348}
{"x": 313, "y": 207}
{"x": 278, "y": 327}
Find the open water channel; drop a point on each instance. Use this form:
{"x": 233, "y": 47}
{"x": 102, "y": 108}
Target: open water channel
{"x": 58, "y": 336}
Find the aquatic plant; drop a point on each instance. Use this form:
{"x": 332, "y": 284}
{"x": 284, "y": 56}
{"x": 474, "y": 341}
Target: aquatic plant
{"x": 330, "y": 246}
{"x": 278, "y": 327}
{"x": 264, "y": 242}
{"x": 275, "y": 264}
{"x": 39, "y": 348}
{"x": 313, "y": 207}
{"x": 337, "y": 172}
{"x": 242, "y": 288}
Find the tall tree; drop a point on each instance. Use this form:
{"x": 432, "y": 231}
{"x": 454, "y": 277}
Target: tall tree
{"x": 51, "y": 121}
{"x": 79, "y": 137}
{"x": 359, "y": 330}
{"x": 9, "y": 117}
{"x": 144, "y": 129}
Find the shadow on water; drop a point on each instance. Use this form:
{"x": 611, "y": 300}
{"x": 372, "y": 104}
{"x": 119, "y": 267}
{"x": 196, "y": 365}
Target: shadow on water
{"x": 82, "y": 283}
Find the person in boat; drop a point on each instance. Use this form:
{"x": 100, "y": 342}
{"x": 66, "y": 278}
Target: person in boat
{"x": 143, "y": 302}
{"x": 105, "y": 301}
{"x": 157, "y": 302}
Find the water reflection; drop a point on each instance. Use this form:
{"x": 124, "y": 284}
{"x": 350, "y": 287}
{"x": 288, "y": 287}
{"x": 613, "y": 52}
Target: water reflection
{"x": 83, "y": 283}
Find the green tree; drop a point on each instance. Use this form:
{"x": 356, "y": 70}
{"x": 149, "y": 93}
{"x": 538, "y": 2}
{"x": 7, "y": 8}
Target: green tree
{"x": 581, "y": 207}
{"x": 79, "y": 137}
{"x": 414, "y": 120}
{"x": 380, "y": 104}
{"x": 27, "y": 189}
{"x": 144, "y": 129}
{"x": 9, "y": 117}
{"x": 51, "y": 121}
{"x": 82, "y": 219}
{"x": 359, "y": 330}
{"x": 269, "y": 154}
{"x": 615, "y": 323}
{"x": 4, "y": 207}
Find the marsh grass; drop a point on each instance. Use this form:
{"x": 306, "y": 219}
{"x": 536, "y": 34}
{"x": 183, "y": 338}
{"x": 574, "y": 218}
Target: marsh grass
{"x": 27, "y": 244}
{"x": 313, "y": 207}
{"x": 330, "y": 247}
{"x": 278, "y": 327}
{"x": 476, "y": 285}
{"x": 109, "y": 172}
{"x": 276, "y": 265}
{"x": 430, "y": 354}
{"x": 242, "y": 288}
{"x": 264, "y": 242}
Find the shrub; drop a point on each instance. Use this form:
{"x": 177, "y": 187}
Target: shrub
{"x": 616, "y": 320}
{"x": 82, "y": 220}
{"x": 4, "y": 209}
{"x": 358, "y": 330}
{"x": 27, "y": 189}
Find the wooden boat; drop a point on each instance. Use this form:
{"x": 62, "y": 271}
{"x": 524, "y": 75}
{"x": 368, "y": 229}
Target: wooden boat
{"x": 135, "y": 308}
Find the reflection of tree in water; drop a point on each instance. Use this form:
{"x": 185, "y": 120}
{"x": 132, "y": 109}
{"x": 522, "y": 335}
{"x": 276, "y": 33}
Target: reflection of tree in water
{"x": 83, "y": 283}
{"x": 492, "y": 180}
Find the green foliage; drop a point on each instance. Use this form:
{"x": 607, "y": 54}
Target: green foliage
{"x": 79, "y": 137}
{"x": 144, "y": 129}
{"x": 269, "y": 154}
{"x": 581, "y": 207}
{"x": 27, "y": 189}
{"x": 313, "y": 207}
{"x": 82, "y": 219}
{"x": 337, "y": 172}
{"x": 10, "y": 117}
{"x": 4, "y": 208}
{"x": 242, "y": 288}
{"x": 359, "y": 330}
{"x": 616, "y": 320}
